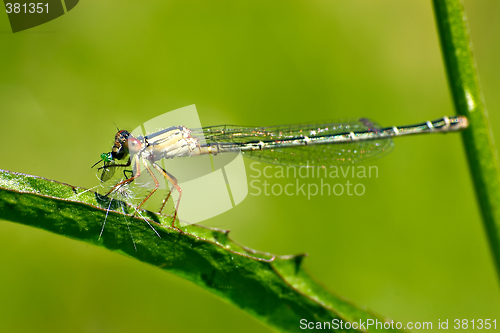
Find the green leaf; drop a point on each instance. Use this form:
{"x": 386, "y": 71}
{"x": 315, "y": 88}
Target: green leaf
{"x": 275, "y": 289}
{"x": 468, "y": 100}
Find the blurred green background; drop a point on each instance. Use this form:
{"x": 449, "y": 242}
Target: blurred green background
{"x": 412, "y": 248}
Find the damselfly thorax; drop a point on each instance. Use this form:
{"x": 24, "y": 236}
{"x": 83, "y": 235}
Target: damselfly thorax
{"x": 317, "y": 145}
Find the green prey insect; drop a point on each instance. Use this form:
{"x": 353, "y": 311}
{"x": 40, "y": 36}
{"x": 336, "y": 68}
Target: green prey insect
{"x": 337, "y": 142}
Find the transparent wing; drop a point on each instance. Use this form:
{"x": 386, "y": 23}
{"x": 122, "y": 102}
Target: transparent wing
{"x": 329, "y": 154}
{"x": 107, "y": 172}
{"x": 323, "y": 155}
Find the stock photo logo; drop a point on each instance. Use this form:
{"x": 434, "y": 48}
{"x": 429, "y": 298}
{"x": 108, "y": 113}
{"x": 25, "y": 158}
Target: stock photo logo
{"x": 28, "y": 14}
{"x": 308, "y": 182}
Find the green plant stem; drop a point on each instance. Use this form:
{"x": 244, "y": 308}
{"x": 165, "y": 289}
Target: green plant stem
{"x": 464, "y": 85}
{"x": 274, "y": 289}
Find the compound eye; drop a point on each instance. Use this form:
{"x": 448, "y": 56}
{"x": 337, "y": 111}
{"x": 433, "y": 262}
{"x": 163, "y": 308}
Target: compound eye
{"x": 134, "y": 145}
{"x": 107, "y": 157}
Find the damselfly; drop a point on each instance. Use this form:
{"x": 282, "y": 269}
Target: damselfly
{"x": 320, "y": 145}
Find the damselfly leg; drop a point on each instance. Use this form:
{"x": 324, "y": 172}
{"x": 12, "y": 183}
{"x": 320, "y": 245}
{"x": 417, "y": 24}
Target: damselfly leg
{"x": 171, "y": 179}
{"x": 137, "y": 161}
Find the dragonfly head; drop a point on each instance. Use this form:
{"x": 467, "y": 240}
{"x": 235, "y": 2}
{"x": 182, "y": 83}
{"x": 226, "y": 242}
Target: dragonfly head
{"x": 133, "y": 145}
